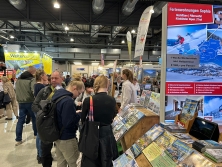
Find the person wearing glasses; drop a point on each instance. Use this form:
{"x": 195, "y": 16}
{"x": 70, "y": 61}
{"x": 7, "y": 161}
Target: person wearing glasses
{"x": 47, "y": 93}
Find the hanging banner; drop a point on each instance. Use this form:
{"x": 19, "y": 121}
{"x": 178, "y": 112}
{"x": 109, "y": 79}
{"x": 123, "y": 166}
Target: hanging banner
{"x": 129, "y": 43}
{"x": 47, "y": 63}
{"x": 20, "y": 61}
{"x": 142, "y": 31}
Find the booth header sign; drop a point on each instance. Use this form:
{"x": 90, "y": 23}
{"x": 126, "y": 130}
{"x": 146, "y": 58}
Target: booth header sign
{"x": 188, "y": 14}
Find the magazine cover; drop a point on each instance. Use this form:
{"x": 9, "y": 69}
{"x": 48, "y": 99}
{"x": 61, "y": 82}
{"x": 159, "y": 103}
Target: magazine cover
{"x": 132, "y": 163}
{"x": 144, "y": 141}
{"x": 178, "y": 151}
{"x": 163, "y": 160}
{"x": 182, "y": 136}
{"x": 196, "y": 160}
{"x": 155, "y": 132}
{"x": 188, "y": 110}
{"x": 152, "y": 151}
{"x": 119, "y": 130}
{"x": 116, "y": 120}
{"x": 121, "y": 161}
{"x": 154, "y": 103}
{"x": 125, "y": 112}
{"x": 144, "y": 99}
{"x": 165, "y": 140}
{"x": 134, "y": 151}
{"x": 132, "y": 118}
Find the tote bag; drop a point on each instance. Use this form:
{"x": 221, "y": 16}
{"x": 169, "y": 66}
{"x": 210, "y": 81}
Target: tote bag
{"x": 89, "y": 136}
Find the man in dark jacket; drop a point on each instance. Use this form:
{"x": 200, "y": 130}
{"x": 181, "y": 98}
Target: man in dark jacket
{"x": 25, "y": 98}
{"x": 47, "y": 93}
{"x": 67, "y": 145}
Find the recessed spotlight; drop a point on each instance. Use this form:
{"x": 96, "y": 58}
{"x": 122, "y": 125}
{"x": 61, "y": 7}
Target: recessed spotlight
{"x": 71, "y": 39}
{"x": 133, "y": 31}
{"x": 12, "y": 37}
{"x": 122, "y": 41}
{"x": 56, "y": 5}
{"x": 66, "y": 28}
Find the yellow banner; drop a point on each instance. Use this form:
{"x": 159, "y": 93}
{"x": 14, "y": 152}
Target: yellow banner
{"x": 47, "y": 64}
{"x": 22, "y": 60}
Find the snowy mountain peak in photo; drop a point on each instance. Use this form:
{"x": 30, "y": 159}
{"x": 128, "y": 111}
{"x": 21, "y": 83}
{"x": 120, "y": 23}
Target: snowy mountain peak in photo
{"x": 210, "y": 64}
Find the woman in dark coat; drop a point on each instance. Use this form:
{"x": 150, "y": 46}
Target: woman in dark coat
{"x": 104, "y": 108}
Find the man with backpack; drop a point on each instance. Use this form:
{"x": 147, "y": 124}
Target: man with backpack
{"x": 46, "y": 94}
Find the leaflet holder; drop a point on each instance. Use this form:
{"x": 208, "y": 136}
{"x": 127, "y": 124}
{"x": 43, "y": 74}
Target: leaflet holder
{"x": 188, "y": 123}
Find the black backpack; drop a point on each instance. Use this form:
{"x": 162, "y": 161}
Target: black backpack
{"x": 46, "y": 121}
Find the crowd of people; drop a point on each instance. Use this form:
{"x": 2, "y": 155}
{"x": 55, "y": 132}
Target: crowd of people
{"x": 34, "y": 86}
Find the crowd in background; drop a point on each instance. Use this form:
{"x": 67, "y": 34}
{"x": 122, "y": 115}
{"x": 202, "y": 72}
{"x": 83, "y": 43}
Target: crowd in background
{"x": 33, "y": 86}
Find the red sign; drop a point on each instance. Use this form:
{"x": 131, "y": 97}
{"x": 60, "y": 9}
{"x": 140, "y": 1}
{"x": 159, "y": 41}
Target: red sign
{"x": 193, "y": 88}
{"x": 187, "y": 14}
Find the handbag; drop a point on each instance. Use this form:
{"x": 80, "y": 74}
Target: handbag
{"x": 89, "y": 136}
{"x": 6, "y": 99}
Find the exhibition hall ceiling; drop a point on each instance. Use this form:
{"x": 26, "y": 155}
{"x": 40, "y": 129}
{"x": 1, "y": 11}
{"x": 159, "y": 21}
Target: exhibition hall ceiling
{"x": 90, "y": 24}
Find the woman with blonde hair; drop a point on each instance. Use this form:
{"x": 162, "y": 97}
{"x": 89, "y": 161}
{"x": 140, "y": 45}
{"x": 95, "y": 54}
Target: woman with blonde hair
{"x": 13, "y": 105}
{"x": 129, "y": 94}
{"x": 104, "y": 108}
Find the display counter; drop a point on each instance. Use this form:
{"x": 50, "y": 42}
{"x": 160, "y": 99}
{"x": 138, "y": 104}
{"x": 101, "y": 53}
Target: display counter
{"x": 140, "y": 128}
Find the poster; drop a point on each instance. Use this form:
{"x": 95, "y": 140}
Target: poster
{"x": 47, "y": 64}
{"x": 194, "y": 59}
{"x": 20, "y": 61}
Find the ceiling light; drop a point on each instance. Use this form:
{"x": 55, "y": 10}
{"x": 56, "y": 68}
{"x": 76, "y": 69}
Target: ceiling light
{"x": 77, "y": 63}
{"x": 122, "y": 41}
{"x": 71, "y": 39}
{"x": 133, "y": 31}
{"x": 152, "y": 11}
{"x": 66, "y": 28}
{"x": 95, "y": 64}
{"x": 12, "y": 37}
{"x": 56, "y": 5}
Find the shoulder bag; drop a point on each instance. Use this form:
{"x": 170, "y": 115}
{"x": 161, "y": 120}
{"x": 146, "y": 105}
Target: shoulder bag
{"x": 89, "y": 135}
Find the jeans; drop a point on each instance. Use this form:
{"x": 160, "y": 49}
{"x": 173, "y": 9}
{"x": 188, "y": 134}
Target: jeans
{"x": 24, "y": 108}
{"x": 38, "y": 144}
{"x": 67, "y": 152}
{"x": 46, "y": 154}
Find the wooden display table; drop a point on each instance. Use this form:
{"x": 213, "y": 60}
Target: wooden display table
{"x": 143, "y": 162}
{"x": 140, "y": 128}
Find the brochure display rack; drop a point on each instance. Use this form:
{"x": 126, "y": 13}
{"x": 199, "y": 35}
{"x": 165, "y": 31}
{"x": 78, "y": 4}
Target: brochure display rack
{"x": 140, "y": 128}
{"x": 188, "y": 124}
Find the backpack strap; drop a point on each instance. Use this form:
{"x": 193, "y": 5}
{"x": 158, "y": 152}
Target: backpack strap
{"x": 58, "y": 100}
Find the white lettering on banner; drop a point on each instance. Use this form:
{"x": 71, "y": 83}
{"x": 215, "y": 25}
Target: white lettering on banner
{"x": 190, "y": 10}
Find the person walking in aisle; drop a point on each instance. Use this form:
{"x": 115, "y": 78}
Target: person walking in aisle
{"x": 47, "y": 93}
{"x": 41, "y": 78}
{"x": 13, "y": 105}
{"x": 67, "y": 145}
{"x": 104, "y": 108}
{"x": 25, "y": 97}
{"x": 128, "y": 91}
